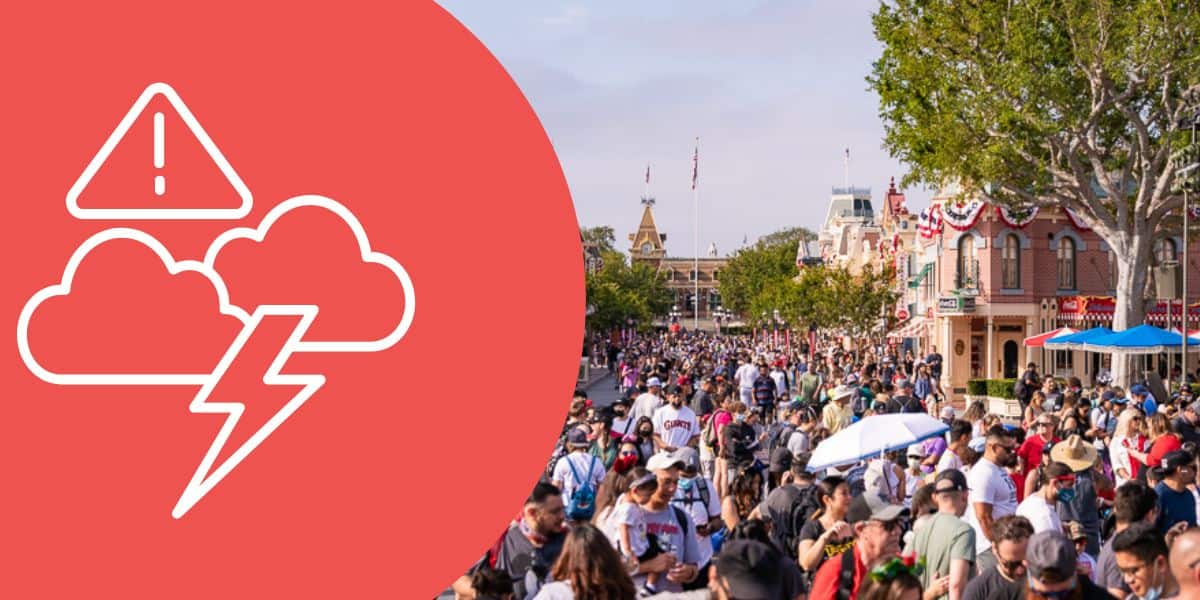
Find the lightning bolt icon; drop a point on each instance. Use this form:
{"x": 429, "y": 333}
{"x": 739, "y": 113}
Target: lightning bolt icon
{"x": 234, "y": 385}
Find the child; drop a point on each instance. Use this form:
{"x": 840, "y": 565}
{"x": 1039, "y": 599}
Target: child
{"x": 627, "y": 526}
{"x": 1085, "y": 563}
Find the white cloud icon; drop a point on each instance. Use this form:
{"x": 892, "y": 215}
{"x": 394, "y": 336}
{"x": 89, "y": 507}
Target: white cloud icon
{"x": 258, "y": 234}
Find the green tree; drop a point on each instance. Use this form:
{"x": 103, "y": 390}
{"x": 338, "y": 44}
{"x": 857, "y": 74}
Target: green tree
{"x": 752, "y": 269}
{"x": 1066, "y": 103}
{"x": 620, "y": 291}
{"x": 601, "y": 236}
{"x": 789, "y": 236}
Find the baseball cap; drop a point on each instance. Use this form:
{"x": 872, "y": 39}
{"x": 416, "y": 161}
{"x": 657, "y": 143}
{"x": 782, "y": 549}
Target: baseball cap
{"x": 1050, "y": 557}
{"x": 665, "y": 460}
{"x": 948, "y": 412}
{"x": 870, "y": 507}
{"x": 673, "y": 390}
{"x": 578, "y": 438}
{"x": 916, "y": 450}
{"x": 950, "y": 480}
{"x": 1076, "y": 530}
{"x": 750, "y": 568}
{"x": 1138, "y": 389}
{"x": 690, "y": 458}
{"x": 1108, "y": 395}
{"x": 1194, "y": 407}
{"x": 1173, "y": 460}
{"x": 654, "y": 382}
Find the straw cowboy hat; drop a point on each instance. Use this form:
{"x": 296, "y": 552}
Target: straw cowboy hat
{"x": 1075, "y": 453}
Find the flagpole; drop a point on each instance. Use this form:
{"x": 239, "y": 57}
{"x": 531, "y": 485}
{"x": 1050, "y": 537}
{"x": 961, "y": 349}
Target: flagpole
{"x": 696, "y": 237}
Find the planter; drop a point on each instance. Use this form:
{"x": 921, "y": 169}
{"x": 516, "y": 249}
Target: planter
{"x": 1005, "y": 408}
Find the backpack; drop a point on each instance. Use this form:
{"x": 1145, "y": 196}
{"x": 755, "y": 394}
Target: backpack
{"x": 785, "y": 527}
{"x": 709, "y": 435}
{"x": 581, "y": 506}
{"x": 846, "y": 575}
{"x": 703, "y": 495}
{"x": 779, "y": 436}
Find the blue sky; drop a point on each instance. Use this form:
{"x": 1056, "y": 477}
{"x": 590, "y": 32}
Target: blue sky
{"x": 774, "y": 89}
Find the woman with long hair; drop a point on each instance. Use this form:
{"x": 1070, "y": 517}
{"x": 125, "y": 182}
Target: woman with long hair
{"x": 974, "y": 415}
{"x": 588, "y": 569}
{"x": 826, "y": 532}
{"x": 1162, "y": 440}
{"x": 643, "y": 433}
{"x": 615, "y": 483}
{"x": 1033, "y": 410}
{"x": 1127, "y": 441}
{"x": 744, "y": 495}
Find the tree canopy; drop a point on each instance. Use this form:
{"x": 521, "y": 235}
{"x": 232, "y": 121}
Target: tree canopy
{"x": 753, "y": 269}
{"x": 1068, "y": 103}
{"x": 619, "y": 291}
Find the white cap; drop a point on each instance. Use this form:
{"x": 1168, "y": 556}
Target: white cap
{"x": 917, "y": 450}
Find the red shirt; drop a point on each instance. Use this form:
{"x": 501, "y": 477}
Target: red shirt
{"x": 825, "y": 582}
{"x": 1165, "y": 443}
{"x": 1031, "y": 452}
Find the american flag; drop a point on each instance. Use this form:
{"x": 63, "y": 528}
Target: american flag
{"x": 696, "y": 164}
{"x": 647, "y": 173}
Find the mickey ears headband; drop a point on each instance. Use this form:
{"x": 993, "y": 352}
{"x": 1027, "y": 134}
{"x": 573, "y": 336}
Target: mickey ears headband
{"x": 891, "y": 569}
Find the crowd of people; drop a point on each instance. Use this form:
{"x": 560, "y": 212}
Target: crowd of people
{"x": 695, "y": 484}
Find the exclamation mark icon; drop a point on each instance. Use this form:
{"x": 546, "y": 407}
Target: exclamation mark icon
{"x": 160, "y": 153}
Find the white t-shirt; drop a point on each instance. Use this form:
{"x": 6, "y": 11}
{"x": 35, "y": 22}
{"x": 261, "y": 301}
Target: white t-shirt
{"x": 581, "y": 461}
{"x": 799, "y": 443}
{"x": 746, "y": 374}
{"x": 557, "y": 590}
{"x": 631, "y": 514}
{"x": 675, "y": 426}
{"x": 644, "y": 406}
{"x": 780, "y": 382}
{"x": 949, "y": 460}
{"x": 1043, "y": 516}
{"x": 989, "y": 484}
{"x": 692, "y": 502}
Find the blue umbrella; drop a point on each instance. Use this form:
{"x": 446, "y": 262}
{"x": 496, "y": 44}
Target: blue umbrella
{"x": 1143, "y": 339}
{"x": 1076, "y": 341}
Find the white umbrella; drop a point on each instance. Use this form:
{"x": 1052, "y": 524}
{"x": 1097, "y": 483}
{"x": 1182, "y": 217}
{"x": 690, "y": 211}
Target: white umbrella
{"x": 873, "y": 436}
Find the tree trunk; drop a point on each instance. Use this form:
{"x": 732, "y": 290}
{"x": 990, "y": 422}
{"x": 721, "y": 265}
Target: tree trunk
{"x": 1133, "y": 265}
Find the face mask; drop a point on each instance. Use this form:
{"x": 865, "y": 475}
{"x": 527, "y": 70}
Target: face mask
{"x": 739, "y": 418}
{"x": 686, "y": 484}
{"x": 1066, "y": 494}
{"x": 646, "y": 431}
{"x": 624, "y": 463}
{"x": 1155, "y": 592}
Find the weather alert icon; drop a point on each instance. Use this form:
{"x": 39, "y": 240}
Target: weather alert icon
{"x": 126, "y": 311}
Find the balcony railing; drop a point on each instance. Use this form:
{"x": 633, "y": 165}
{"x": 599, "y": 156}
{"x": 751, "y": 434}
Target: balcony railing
{"x": 857, "y": 212}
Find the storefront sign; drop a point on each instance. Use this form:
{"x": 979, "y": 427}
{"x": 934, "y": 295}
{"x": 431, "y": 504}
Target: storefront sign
{"x": 956, "y": 304}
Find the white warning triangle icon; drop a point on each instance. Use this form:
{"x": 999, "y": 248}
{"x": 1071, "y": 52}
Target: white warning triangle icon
{"x": 139, "y": 181}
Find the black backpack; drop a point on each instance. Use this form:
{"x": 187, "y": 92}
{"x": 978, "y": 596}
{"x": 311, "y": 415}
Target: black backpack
{"x": 785, "y": 528}
{"x": 780, "y": 434}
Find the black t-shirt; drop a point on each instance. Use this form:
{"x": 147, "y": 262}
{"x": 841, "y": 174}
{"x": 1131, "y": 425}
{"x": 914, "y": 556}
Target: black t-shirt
{"x": 990, "y": 584}
{"x": 813, "y": 530}
{"x": 523, "y": 561}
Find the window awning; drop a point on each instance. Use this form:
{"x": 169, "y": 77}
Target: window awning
{"x": 922, "y": 274}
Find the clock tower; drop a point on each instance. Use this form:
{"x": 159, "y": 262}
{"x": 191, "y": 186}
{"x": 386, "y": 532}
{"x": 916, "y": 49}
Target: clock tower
{"x": 647, "y": 243}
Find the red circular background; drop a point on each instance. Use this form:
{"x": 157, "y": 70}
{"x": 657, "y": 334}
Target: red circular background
{"x": 395, "y": 476}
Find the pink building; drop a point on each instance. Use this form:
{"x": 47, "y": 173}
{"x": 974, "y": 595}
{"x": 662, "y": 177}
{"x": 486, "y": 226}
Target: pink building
{"x": 982, "y": 280}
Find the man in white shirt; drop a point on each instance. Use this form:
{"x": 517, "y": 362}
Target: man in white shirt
{"x": 647, "y": 403}
{"x": 1041, "y": 507}
{"x": 675, "y": 425}
{"x": 959, "y": 436}
{"x": 697, "y": 496}
{"x": 745, "y": 376}
{"x": 993, "y": 493}
{"x": 572, "y": 470}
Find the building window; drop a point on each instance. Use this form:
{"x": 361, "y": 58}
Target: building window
{"x": 716, "y": 274}
{"x": 692, "y": 275}
{"x": 1066, "y": 264}
{"x": 967, "y": 275}
{"x": 1010, "y": 265}
{"x": 1164, "y": 251}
